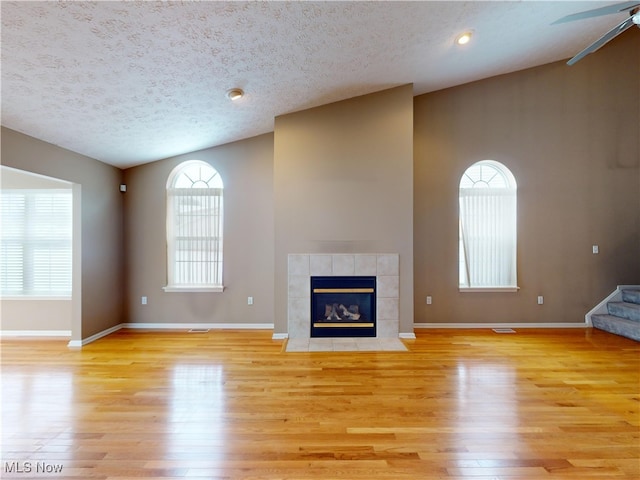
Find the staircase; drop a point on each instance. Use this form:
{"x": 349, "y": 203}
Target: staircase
{"x": 622, "y": 315}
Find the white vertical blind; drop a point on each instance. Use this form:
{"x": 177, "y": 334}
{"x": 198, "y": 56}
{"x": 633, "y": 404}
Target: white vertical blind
{"x": 194, "y": 226}
{"x": 35, "y": 256}
{"x": 488, "y": 230}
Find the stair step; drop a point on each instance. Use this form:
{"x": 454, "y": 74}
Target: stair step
{"x": 630, "y": 311}
{"x": 631, "y": 296}
{"x": 617, "y": 325}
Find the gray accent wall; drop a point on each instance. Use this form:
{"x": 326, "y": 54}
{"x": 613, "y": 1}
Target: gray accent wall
{"x": 571, "y": 136}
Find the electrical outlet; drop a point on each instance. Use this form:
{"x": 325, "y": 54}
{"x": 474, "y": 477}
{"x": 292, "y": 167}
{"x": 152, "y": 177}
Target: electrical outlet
{"x": 429, "y": 300}
{"x": 249, "y": 300}
{"x": 143, "y": 300}
{"x": 595, "y": 249}
{"x": 540, "y": 299}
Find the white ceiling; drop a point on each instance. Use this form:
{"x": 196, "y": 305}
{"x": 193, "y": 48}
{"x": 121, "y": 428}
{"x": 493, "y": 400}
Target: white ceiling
{"x": 134, "y": 82}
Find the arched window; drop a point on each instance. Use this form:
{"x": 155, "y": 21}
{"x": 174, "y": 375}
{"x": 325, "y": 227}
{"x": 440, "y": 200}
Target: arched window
{"x": 487, "y": 233}
{"x": 194, "y": 228}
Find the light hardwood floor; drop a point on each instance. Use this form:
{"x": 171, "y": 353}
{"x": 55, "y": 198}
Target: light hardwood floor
{"x": 472, "y": 404}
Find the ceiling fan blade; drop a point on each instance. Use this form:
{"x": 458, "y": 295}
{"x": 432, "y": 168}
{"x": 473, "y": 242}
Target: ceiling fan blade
{"x": 610, "y": 35}
{"x": 617, "y": 8}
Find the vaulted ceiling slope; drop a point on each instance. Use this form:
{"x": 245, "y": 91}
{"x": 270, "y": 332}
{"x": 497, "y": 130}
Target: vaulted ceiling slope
{"x": 133, "y": 82}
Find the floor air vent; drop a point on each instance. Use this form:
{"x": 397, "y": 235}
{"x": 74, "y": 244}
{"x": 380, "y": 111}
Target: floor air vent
{"x": 199, "y": 330}
{"x": 504, "y": 330}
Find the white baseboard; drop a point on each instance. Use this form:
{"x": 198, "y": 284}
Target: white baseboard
{"x": 408, "y": 336}
{"x": 500, "y": 325}
{"x": 188, "y": 326}
{"x": 170, "y": 326}
{"x": 35, "y": 333}
{"x": 258, "y": 326}
{"x": 93, "y": 338}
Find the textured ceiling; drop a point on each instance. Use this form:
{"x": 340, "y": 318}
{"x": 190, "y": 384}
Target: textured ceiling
{"x": 133, "y": 82}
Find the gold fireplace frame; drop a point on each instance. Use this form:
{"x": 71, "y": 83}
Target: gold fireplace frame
{"x": 343, "y": 290}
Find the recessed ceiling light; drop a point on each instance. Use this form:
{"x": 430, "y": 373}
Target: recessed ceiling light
{"x": 464, "y": 38}
{"x": 235, "y": 94}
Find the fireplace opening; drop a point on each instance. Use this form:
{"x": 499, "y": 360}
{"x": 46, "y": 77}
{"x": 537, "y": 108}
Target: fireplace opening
{"x": 343, "y": 306}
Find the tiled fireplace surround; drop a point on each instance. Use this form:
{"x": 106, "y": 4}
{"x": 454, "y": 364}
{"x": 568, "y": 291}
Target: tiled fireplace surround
{"x": 385, "y": 267}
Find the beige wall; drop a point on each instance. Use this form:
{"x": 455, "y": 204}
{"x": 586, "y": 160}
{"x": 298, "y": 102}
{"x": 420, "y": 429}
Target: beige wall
{"x": 101, "y": 219}
{"x": 36, "y": 315}
{"x": 343, "y": 184}
{"x": 246, "y": 168}
{"x": 570, "y": 135}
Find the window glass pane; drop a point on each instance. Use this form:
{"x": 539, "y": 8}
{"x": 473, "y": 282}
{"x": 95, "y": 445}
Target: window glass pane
{"x": 484, "y": 175}
{"x": 50, "y": 270}
{"x": 197, "y": 175}
{"x": 12, "y": 275}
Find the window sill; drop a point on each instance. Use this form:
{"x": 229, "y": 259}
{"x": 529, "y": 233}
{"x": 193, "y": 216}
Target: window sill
{"x": 193, "y": 289}
{"x": 35, "y": 297}
{"x": 489, "y": 289}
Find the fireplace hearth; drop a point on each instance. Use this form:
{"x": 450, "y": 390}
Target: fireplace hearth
{"x": 343, "y": 306}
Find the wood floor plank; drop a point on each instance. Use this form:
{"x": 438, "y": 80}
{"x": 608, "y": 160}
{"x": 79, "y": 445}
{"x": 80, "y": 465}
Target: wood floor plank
{"x": 460, "y": 404}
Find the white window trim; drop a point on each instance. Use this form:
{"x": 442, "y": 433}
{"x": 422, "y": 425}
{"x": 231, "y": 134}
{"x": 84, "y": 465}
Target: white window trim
{"x": 510, "y": 189}
{"x": 35, "y": 297}
{"x": 188, "y": 289}
{"x": 489, "y": 289}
